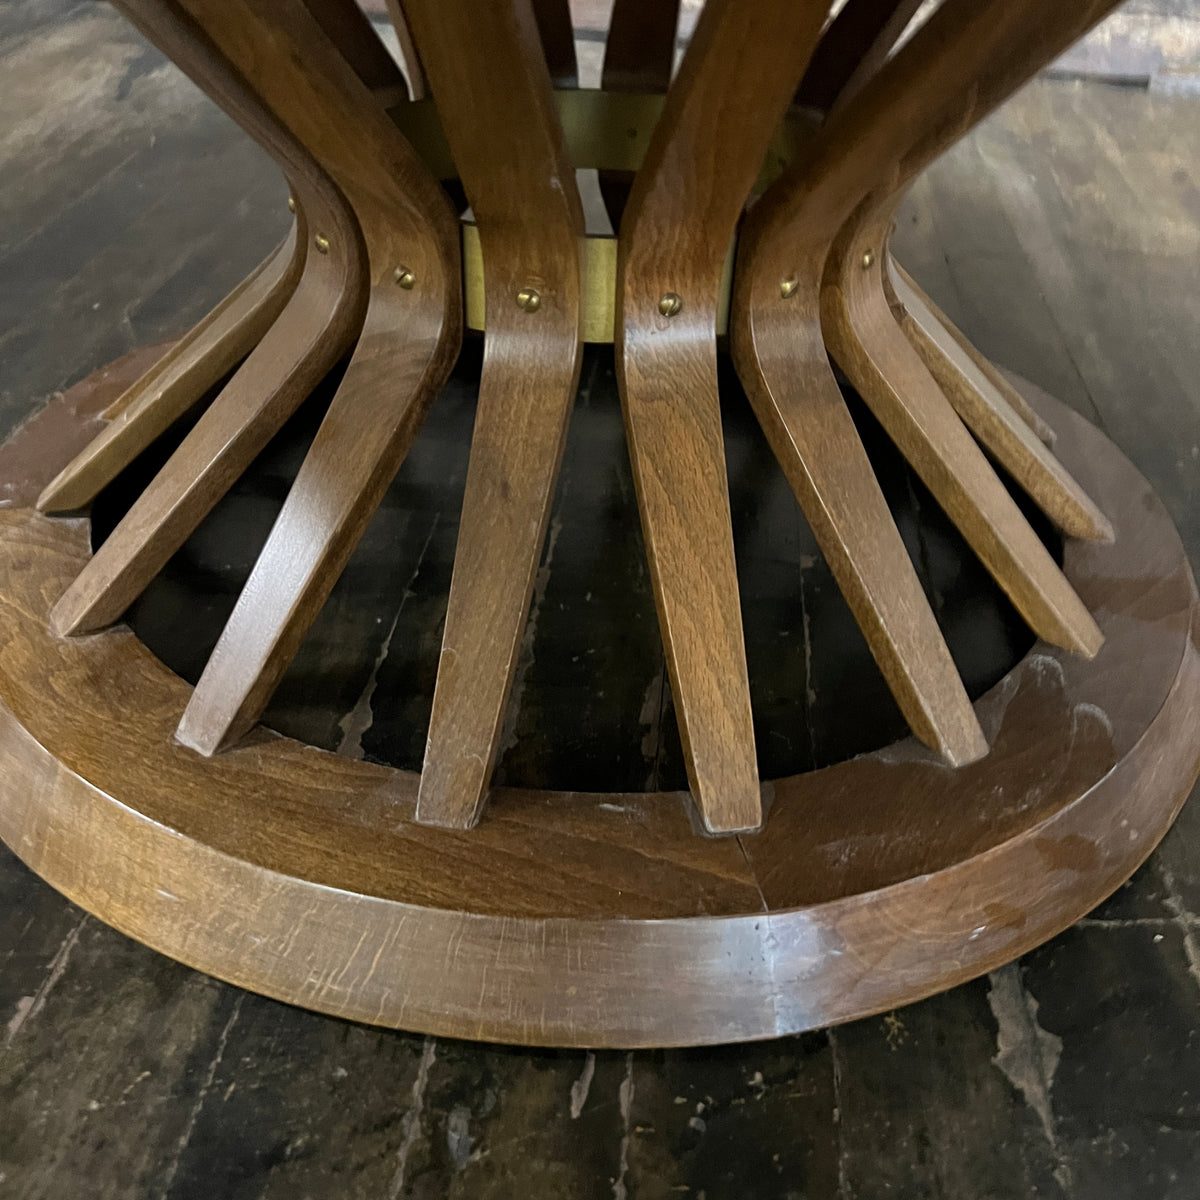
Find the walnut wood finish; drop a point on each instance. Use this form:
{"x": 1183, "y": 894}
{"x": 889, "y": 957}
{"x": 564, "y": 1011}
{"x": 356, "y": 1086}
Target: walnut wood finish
{"x": 994, "y": 422}
{"x": 675, "y": 234}
{"x": 595, "y": 920}
{"x": 825, "y": 218}
{"x": 930, "y": 337}
{"x": 418, "y": 87}
{"x": 177, "y": 383}
{"x": 317, "y": 326}
{"x": 522, "y": 188}
{"x": 350, "y": 31}
{"x": 409, "y": 341}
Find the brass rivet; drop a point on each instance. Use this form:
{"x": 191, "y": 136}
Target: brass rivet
{"x": 322, "y": 243}
{"x": 669, "y": 304}
{"x": 405, "y": 278}
{"x": 788, "y": 287}
{"x": 529, "y": 300}
{"x": 291, "y": 204}
{"x": 868, "y": 260}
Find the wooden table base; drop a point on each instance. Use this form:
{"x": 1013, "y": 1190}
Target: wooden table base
{"x": 594, "y": 920}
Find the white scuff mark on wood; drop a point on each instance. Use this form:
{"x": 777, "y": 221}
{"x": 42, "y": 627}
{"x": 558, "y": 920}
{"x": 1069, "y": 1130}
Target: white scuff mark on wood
{"x": 410, "y": 1126}
{"x": 362, "y": 716}
{"x": 28, "y": 1007}
{"x": 625, "y": 1099}
{"x": 201, "y": 1096}
{"x": 581, "y": 1086}
{"x": 1026, "y": 1054}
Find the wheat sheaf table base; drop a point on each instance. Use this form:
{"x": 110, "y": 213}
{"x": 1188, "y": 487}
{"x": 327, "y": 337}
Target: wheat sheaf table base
{"x": 753, "y": 198}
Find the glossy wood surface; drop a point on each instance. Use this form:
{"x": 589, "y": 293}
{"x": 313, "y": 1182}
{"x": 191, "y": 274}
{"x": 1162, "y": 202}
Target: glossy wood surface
{"x": 522, "y": 188}
{"x": 178, "y": 381}
{"x": 316, "y": 327}
{"x": 559, "y": 920}
{"x": 407, "y": 345}
{"x": 675, "y": 234}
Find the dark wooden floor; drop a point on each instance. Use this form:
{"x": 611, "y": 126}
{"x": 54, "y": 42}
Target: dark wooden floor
{"x": 1064, "y": 237}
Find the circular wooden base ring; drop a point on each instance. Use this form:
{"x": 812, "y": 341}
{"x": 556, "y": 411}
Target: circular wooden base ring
{"x": 595, "y": 920}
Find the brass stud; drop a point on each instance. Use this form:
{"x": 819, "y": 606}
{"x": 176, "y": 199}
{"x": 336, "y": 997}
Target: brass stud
{"x": 868, "y": 260}
{"x": 291, "y": 204}
{"x": 322, "y": 243}
{"x": 787, "y": 289}
{"x": 669, "y": 304}
{"x": 405, "y": 278}
{"x": 529, "y": 300}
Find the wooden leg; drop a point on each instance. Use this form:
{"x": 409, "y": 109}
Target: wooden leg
{"x": 408, "y": 343}
{"x": 499, "y": 117}
{"x": 780, "y": 356}
{"x": 317, "y": 326}
{"x": 867, "y": 343}
{"x": 639, "y": 55}
{"x": 936, "y": 336}
{"x": 994, "y": 422}
{"x": 736, "y": 79}
{"x": 821, "y": 228}
{"x": 181, "y": 378}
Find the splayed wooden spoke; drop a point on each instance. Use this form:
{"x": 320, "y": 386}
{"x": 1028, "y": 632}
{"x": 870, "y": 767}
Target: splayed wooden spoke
{"x": 675, "y": 235}
{"x": 317, "y": 325}
{"x": 530, "y": 227}
{"x": 990, "y": 416}
{"x": 183, "y": 376}
{"x": 936, "y": 338}
{"x": 825, "y": 224}
{"x": 408, "y": 343}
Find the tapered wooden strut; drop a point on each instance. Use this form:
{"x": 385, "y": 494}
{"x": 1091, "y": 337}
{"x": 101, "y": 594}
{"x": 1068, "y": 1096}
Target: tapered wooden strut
{"x": 408, "y": 343}
{"x": 793, "y": 391}
{"x": 822, "y": 228}
{"x": 936, "y": 336}
{"x": 739, "y": 72}
{"x": 181, "y": 378}
{"x": 530, "y": 227}
{"x": 317, "y": 326}
{"x": 996, "y": 424}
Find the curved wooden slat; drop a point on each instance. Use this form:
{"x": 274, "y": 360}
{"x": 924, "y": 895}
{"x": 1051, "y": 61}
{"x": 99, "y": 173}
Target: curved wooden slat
{"x": 853, "y": 47}
{"x": 408, "y": 343}
{"x": 956, "y": 68}
{"x": 317, "y": 326}
{"x": 500, "y": 120}
{"x": 181, "y": 378}
{"x": 639, "y": 54}
{"x": 939, "y": 331}
{"x": 350, "y": 30}
{"x": 736, "y": 79}
{"x": 994, "y": 422}
{"x": 418, "y": 87}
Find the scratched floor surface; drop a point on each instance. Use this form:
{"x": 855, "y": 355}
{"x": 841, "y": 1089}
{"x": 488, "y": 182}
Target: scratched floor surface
{"x": 1063, "y": 236}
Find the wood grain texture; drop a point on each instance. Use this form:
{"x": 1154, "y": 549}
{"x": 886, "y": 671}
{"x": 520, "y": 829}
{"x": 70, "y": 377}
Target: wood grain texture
{"x": 568, "y": 923}
{"x": 997, "y": 426}
{"x": 317, "y": 326}
{"x": 408, "y": 343}
{"x": 824, "y": 220}
{"x": 934, "y": 332}
{"x": 180, "y": 379}
{"x": 735, "y": 81}
{"x": 500, "y": 120}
